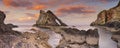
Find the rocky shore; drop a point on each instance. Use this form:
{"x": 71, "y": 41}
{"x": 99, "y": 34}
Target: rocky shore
{"x": 71, "y": 37}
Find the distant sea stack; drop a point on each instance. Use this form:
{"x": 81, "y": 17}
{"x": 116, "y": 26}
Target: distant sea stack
{"x": 110, "y": 18}
{"x": 48, "y": 19}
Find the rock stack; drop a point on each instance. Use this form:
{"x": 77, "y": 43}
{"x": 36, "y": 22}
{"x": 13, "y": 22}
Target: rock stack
{"x": 48, "y": 19}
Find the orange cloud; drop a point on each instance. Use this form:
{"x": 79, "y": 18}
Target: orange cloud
{"x": 76, "y": 9}
{"x": 28, "y": 17}
{"x": 25, "y": 18}
{"x": 37, "y": 7}
{"x": 7, "y": 2}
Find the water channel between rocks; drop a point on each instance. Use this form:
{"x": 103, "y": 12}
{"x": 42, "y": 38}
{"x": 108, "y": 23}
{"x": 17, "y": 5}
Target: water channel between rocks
{"x": 105, "y": 40}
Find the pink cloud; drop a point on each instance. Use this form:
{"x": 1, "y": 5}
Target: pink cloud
{"x": 76, "y": 9}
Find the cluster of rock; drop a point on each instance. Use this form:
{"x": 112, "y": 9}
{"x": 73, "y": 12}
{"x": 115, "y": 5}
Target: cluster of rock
{"x": 74, "y": 38}
{"x": 110, "y": 19}
{"x": 71, "y": 37}
{"x": 14, "y": 39}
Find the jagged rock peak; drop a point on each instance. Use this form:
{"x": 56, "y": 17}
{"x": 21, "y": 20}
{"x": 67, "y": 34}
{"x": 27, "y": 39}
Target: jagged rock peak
{"x": 49, "y": 11}
{"x": 48, "y": 19}
{"x": 42, "y": 11}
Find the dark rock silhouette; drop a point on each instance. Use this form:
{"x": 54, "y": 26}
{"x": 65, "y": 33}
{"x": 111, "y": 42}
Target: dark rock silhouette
{"x": 48, "y": 19}
{"x": 2, "y": 17}
{"x": 12, "y": 25}
{"x": 3, "y": 26}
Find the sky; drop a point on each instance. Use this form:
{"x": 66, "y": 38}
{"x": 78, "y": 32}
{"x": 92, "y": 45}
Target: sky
{"x": 71, "y": 12}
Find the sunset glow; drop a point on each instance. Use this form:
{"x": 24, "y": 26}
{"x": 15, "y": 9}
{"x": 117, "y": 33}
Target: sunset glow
{"x": 28, "y": 10}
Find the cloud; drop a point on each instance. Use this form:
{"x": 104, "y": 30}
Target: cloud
{"x": 32, "y": 15}
{"x": 76, "y": 9}
{"x": 17, "y": 3}
{"x": 37, "y": 4}
{"x": 29, "y": 17}
{"x": 28, "y": 4}
{"x": 107, "y": 1}
{"x": 37, "y": 7}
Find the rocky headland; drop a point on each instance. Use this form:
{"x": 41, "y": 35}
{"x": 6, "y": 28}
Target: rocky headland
{"x": 110, "y": 20}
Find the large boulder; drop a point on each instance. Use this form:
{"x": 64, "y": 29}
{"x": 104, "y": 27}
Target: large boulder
{"x": 48, "y": 19}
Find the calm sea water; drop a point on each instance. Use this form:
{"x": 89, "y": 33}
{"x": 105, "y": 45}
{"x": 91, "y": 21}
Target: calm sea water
{"x": 105, "y": 40}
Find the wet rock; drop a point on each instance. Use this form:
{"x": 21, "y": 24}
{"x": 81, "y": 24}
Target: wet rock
{"x": 48, "y": 19}
{"x": 116, "y": 38}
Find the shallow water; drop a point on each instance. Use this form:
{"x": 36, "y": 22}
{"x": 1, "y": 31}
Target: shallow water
{"x": 105, "y": 40}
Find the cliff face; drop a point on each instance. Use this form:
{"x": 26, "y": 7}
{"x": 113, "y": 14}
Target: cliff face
{"x": 48, "y": 19}
{"x": 107, "y": 16}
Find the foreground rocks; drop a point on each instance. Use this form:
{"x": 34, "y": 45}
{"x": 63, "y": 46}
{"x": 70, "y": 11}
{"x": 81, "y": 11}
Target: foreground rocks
{"x": 25, "y": 40}
{"x": 14, "y": 39}
{"x": 74, "y": 38}
{"x": 116, "y": 38}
